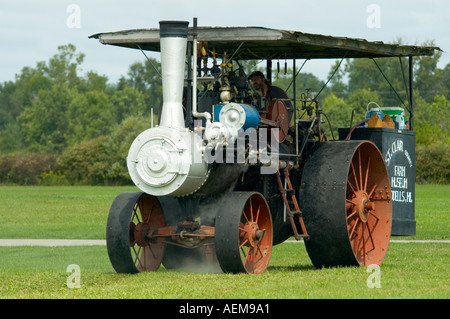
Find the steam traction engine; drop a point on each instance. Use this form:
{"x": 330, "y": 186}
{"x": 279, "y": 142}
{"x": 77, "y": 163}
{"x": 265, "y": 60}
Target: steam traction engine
{"x": 225, "y": 176}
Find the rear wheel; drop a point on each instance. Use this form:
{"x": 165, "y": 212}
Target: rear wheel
{"x": 346, "y": 201}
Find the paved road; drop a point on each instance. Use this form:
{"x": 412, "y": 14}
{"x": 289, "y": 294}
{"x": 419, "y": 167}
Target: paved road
{"x": 93, "y": 242}
{"x": 51, "y": 242}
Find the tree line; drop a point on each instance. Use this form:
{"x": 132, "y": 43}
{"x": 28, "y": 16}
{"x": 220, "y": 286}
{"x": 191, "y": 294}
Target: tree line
{"x": 58, "y": 126}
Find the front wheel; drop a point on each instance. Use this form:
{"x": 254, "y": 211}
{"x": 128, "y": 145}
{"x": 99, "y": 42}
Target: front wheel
{"x": 131, "y": 218}
{"x": 243, "y": 235}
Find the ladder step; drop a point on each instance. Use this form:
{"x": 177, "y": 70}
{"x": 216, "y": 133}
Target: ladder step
{"x": 299, "y": 232}
{"x": 297, "y": 214}
{"x": 305, "y": 237}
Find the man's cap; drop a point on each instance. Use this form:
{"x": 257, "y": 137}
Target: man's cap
{"x": 256, "y": 73}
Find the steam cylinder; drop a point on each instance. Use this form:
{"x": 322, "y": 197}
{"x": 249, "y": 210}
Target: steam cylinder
{"x": 240, "y": 116}
{"x": 168, "y": 159}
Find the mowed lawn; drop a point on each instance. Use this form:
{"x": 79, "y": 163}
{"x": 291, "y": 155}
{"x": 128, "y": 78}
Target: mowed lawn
{"x": 410, "y": 270}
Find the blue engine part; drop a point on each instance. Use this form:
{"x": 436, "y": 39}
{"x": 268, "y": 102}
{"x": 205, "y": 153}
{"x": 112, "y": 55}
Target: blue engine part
{"x": 240, "y": 116}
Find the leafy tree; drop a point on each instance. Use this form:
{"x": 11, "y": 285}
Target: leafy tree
{"x": 433, "y": 163}
{"x": 102, "y": 160}
{"x": 339, "y": 112}
{"x": 93, "y": 82}
{"x": 374, "y": 74}
{"x": 11, "y": 138}
{"x": 428, "y": 77}
{"x": 15, "y": 97}
{"x": 126, "y": 102}
{"x": 44, "y": 123}
{"x": 446, "y": 81}
{"x": 90, "y": 116}
{"x": 86, "y": 162}
{"x": 63, "y": 66}
{"x": 337, "y": 83}
{"x": 432, "y": 124}
{"x": 146, "y": 78}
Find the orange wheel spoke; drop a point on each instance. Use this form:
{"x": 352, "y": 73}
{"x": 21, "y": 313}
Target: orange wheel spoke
{"x": 372, "y": 190}
{"x": 370, "y": 237}
{"x": 351, "y": 186}
{"x": 367, "y": 173}
{"x": 136, "y": 215}
{"x": 354, "y": 176}
{"x": 137, "y": 260}
{"x": 257, "y": 214}
{"x": 363, "y": 243}
{"x": 360, "y": 168}
{"x": 245, "y": 215}
{"x": 248, "y": 258}
{"x": 353, "y": 230}
{"x": 243, "y": 243}
{"x": 356, "y": 241}
{"x": 147, "y": 220}
{"x": 351, "y": 215}
{"x": 152, "y": 251}
{"x": 258, "y": 250}
{"x": 349, "y": 204}
{"x": 372, "y": 214}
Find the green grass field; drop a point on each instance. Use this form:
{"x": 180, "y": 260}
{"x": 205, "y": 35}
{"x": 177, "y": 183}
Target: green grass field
{"x": 410, "y": 270}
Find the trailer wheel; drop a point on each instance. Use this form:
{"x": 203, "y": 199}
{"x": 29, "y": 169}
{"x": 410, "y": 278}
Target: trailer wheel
{"x": 243, "y": 233}
{"x": 131, "y": 217}
{"x": 346, "y": 202}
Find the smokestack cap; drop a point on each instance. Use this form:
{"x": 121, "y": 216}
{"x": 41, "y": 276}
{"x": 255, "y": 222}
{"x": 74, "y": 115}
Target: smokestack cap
{"x": 169, "y": 29}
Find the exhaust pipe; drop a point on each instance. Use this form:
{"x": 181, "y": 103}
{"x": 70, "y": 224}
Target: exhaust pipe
{"x": 195, "y": 113}
{"x": 173, "y": 40}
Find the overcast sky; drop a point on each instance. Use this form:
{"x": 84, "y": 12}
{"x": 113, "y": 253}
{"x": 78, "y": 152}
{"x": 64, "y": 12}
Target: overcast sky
{"x": 31, "y": 31}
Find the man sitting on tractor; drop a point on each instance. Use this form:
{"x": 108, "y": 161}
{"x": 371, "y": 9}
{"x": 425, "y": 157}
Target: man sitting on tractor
{"x": 270, "y": 92}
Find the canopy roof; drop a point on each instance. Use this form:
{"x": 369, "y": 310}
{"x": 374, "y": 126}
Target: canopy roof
{"x": 247, "y": 43}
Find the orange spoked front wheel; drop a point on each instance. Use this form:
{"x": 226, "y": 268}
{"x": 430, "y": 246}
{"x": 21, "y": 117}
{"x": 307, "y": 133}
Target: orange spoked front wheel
{"x": 131, "y": 218}
{"x": 243, "y": 235}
